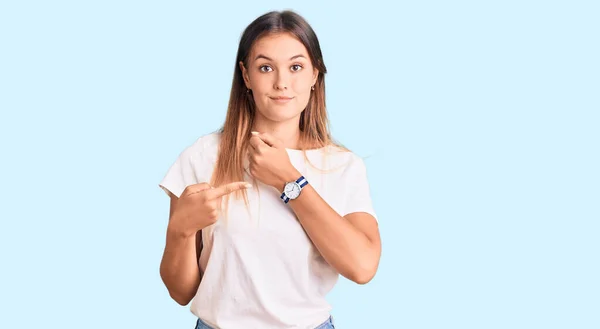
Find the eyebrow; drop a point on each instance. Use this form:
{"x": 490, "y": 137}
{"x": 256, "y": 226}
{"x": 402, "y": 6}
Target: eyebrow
{"x": 269, "y": 59}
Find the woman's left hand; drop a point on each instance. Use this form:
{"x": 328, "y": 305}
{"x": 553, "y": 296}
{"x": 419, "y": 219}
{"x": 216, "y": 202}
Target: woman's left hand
{"x": 269, "y": 161}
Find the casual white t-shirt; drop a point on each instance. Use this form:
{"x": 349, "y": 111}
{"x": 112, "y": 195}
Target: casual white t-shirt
{"x": 260, "y": 269}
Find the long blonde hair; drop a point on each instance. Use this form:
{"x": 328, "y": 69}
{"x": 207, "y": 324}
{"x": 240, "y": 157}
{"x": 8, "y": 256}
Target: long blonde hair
{"x": 236, "y": 131}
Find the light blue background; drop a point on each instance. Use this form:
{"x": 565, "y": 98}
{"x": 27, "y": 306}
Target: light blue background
{"x": 479, "y": 122}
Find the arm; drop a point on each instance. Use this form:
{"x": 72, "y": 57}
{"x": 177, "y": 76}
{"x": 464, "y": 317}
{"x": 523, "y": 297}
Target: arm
{"x": 195, "y": 209}
{"x": 179, "y": 266}
{"x": 350, "y": 244}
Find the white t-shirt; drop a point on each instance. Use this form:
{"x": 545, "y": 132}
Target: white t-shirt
{"x": 260, "y": 269}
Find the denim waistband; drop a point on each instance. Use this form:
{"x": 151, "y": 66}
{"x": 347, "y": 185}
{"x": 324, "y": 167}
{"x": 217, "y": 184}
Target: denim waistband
{"x": 328, "y": 324}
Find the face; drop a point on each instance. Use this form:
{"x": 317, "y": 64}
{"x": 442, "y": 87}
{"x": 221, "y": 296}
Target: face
{"x": 280, "y": 75}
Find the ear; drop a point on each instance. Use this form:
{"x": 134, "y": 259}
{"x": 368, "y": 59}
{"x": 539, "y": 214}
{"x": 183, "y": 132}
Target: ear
{"x": 315, "y": 76}
{"x": 245, "y": 75}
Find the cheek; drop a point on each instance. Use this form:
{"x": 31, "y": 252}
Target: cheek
{"x": 307, "y": 77}
{"x": 260, "y": 82}
{"x": 302, "y": 84}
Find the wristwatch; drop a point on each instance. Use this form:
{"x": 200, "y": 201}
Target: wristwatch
{"x": 292, "y": 190}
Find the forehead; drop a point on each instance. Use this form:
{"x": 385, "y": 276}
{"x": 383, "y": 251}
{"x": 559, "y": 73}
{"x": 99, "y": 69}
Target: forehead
{"x": 280, "y": 46}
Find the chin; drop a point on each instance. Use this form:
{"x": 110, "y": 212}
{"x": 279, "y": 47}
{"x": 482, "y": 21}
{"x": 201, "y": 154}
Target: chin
{"x": 280, "y": 118}
{"x": 280, "y": 115}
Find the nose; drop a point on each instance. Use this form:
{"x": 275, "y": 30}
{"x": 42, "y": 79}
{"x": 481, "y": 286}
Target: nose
{"x": 281, "y": 80}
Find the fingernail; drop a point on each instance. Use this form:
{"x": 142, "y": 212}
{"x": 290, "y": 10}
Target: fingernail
{"x": 255, "y": 133}
{"x": 247, "y": 185}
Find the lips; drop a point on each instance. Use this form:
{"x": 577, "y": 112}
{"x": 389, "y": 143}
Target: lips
{"x": 281, "y": 99}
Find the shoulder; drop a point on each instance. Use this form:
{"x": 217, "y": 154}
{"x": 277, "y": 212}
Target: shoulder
{"x": 201, "y": 153}
{"x": 204, "y": 145}
{"x": 345, "y": 159}
{"x": 209, "y": 143}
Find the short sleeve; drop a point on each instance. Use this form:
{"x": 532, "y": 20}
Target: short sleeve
{"x": 358, "y": 194}
{"x": 181, "y": 174}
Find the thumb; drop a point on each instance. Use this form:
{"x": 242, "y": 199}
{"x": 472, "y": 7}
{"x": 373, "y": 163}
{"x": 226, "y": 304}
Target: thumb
{"x": 196, "y": 188}
{"x": 269, "y": 139}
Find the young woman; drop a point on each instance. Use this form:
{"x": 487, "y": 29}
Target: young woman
{"x": 267, "y": 212}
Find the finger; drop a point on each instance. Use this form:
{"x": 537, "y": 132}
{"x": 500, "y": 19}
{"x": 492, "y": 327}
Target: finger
{"x": 196, "y": 188}
{"x": 270, "y": 140}
{"x": 256, "y": 142}
{"x": 251, "y": 156}
{"x": 226, "y": 189}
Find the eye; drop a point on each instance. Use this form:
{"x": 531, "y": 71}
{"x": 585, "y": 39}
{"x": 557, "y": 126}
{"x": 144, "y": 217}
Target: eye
{"x": 265, "y": 68}
{"x": 296, "y": 67}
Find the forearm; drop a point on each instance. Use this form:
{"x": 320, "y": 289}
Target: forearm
{"x": 179, "y": 266}
{"x": 341, "y": 244}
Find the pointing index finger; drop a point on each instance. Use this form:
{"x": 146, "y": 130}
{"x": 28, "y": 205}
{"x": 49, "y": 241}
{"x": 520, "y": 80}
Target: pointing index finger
{"x": 226, "y": 189}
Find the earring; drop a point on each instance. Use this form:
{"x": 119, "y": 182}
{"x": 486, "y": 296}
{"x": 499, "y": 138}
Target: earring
{"x": 312, "y": 88}
{"x": 247, "y": 91}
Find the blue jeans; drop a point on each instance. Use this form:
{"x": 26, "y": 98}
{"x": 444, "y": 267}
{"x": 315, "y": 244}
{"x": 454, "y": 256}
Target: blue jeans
{"x": 328, "y": 324}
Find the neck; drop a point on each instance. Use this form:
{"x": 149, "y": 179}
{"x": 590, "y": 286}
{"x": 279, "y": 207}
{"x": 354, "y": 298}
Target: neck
{"x": 286, "y": 131}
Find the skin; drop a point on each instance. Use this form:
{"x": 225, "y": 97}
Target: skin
{"x": 194, "y": 210}
{"x": 351, "y": 244}
{"x": 280, "y": 75}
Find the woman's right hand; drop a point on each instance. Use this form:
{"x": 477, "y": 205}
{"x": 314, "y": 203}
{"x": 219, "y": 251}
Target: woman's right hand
{"x": 198, "y": 206}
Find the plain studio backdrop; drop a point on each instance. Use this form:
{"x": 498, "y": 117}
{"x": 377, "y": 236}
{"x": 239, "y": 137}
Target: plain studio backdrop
{"x": 478, "y": 121}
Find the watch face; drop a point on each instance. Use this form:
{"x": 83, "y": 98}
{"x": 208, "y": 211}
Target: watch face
{"x": 292, "y": 190}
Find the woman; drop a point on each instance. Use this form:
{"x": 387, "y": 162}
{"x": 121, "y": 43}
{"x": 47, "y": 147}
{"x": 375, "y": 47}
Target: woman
{"x": 265, "y": 254}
